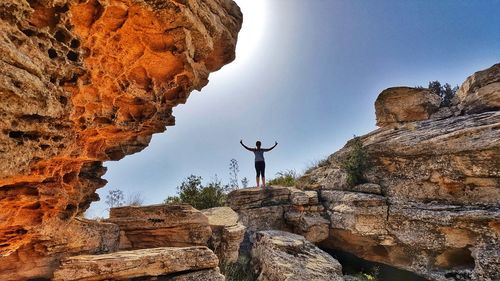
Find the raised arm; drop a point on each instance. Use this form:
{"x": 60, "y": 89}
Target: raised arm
{"x": 246, "y": 147}
{"x": 272, "y": 147}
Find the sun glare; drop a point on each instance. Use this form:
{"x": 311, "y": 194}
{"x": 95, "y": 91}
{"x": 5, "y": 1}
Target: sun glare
{"x": 251, "y": 34}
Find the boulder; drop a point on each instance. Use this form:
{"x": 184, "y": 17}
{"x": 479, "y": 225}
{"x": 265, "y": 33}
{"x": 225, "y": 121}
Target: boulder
{"x": 313, "y": 226}
{"x": 154, "y": 226}
{"x": 136, "y": 263}
{"x": 227, "y": 233}
{"x": 279, "y": 255}
{"x": 264, "y": 218}
{"x": 481, "y": 91}
{"x": 405, "y": 104}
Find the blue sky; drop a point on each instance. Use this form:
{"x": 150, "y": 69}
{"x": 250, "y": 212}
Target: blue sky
{"x": 307, "y": 74}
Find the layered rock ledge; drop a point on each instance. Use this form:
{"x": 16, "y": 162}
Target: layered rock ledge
{"x": 160, "y": 226}
{"x": 281, "y": 208}
{"x": 137, "y": 263}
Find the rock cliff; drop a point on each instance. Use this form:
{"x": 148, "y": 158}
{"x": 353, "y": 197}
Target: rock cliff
{"x": 431, "y": 204}
{"x": 84, "y": 82}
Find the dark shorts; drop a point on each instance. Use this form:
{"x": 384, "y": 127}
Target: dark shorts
{"x": 260, "y": 168}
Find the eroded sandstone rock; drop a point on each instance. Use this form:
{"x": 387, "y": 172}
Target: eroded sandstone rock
{"x": 281, "y": 208}
{"x": 280, "y": 255}
{"x": 160, "y": 226}
{"x": 404, "y": 104}
{"x": 83, "y": 82}
{"x": 137, "y": 263}
{"x": 481, "y": 91}
{"x": 227, "y": 233}
{"x": 59, "y": 240}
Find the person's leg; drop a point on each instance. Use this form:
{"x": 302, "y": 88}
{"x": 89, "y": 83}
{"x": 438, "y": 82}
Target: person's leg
{"x": 263, "y": 173}
{"x": 257, "y": 171}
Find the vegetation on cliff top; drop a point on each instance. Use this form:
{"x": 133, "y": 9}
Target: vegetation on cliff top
{"x": 356, "y": 163}
{"x": 446, "y": 92}
{"x": 200, "y": 196}
{"x": 284, "y": 178}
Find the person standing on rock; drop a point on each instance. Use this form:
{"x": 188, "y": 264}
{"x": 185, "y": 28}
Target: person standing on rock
{"x": 260, "y": 164}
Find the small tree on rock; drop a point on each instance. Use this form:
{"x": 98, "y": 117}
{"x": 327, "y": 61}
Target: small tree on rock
{"x": 445, "y": 92}
{"x": 115, "y": 198}
{"x": 192, "y": 192}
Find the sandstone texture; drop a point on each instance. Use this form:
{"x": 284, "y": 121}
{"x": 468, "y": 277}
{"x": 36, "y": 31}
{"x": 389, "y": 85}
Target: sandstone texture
{"x": 403, "y": 104}
{"x": 280, "y": 256}
{"x": 281, "y": 208}
{"x": 160, "y": 226}
{"x": 432, "y": 202}
{"x": 481, "y": 91}
{"x": 137, "y": 263}
{"x": 83, "y": 82}
{"x": 227, "y": 233}
{"x": 78, "y": 236}
{"x": 199, "y": 275}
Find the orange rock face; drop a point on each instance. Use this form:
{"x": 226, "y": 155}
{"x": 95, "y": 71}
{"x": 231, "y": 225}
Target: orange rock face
{"x": 84, "y": 82}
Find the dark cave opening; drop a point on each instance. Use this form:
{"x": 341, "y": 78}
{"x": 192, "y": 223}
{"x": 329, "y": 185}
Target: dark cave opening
{"x": 352, "y": 265}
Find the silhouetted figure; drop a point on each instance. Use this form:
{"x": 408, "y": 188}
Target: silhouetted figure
{"x": 260, "y": 164}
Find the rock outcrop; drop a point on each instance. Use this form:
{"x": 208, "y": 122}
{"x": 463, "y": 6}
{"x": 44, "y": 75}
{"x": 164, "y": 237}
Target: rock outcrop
{"x": 432, "y": 205}
{"x": 404, "y": 104}
{"x": 280, "y": 256}
{"x": 227, "y": 233}
{"x": 83, "y": 82}
{"x": 78, "y": 236}
{"x": 160, "y": 226}
{"x": 479, "y": 92}
{"x": 281, "y": 208}
{"x": 137, "y": 263}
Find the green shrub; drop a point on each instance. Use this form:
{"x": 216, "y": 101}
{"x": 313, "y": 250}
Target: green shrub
{"x": 284, "y": 178}
{"x": 356, "y": 163}
{"x": 192, "y": 192}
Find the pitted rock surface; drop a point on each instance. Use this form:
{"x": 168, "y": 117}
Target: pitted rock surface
{"x": 83, "y": 82}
